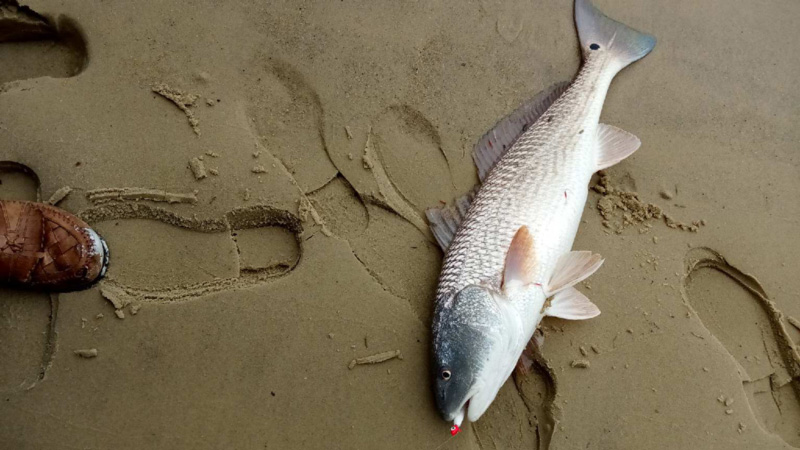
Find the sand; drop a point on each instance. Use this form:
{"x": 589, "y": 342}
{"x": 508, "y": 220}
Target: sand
{"x": 238, "y": 295}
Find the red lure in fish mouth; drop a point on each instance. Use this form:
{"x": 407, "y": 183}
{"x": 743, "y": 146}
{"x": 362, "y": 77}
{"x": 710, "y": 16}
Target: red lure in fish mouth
{"x": 454, "y": 430}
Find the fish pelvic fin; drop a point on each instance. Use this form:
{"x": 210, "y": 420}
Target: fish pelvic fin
{"x": 600, "y": 33}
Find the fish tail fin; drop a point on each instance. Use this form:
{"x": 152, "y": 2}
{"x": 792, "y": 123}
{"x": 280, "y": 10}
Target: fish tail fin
{"x": 598, "y": 32}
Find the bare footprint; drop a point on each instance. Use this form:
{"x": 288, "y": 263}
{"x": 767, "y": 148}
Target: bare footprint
{"x": 25, "y": 316}
{"x": 160, "y": 256}
{"x": 735, "y": 309}
{"x": 33, "y": 45}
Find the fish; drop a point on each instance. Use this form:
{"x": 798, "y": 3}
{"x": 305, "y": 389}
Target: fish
{"x": 508, "y": 246}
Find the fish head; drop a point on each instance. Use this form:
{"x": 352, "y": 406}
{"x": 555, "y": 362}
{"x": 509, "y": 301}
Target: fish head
{"x": 466, "y": 341}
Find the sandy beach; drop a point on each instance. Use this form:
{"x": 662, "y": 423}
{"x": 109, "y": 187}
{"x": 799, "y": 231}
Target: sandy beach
{"x": 260, "y": 172}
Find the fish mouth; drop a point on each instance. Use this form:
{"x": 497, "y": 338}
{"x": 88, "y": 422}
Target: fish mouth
{"x": 462, "y": 412}
{"x": 463, "y": 409}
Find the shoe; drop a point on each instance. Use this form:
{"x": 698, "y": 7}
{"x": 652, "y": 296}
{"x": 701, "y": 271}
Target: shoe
{"x": 45, "y": 247}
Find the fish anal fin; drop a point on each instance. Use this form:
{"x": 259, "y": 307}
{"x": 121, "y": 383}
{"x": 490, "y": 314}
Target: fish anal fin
{"x": 614, "y": 145}
{"x": 444, "y": 221}
{"x": 520, "y": 264}
{"x": 571, "y": 304}
{"x": 572, "y": 268}
{"x": 493, "y": 145}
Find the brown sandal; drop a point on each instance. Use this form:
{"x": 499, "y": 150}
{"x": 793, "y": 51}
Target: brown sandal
{"x": 46, "y": 247}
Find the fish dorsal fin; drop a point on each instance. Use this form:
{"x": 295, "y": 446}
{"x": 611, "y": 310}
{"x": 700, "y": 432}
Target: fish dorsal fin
{"x": 520, "y": 265}
{"x": 572, "y": 268}
{"x": 444, "y": 221}
{"x": 571, "y": 304}
{"x": 493, "y": 145}
{"x": 614, "y": 145}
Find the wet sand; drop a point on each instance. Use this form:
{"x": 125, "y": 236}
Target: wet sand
{"x": 260, "y": 172}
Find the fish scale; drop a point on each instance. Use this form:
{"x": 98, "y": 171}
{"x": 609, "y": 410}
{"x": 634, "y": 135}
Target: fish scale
{"x": 527, "y": 187}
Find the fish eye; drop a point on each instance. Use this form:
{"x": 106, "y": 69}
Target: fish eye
{"x": 594, "y": 46}
{"x": 446, "y": 374}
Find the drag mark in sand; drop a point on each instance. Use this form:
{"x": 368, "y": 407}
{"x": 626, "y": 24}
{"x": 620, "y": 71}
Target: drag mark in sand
{"x": 736, "y": 310}
{"x": 183, "y": 100}
{"x": 103, "y": 195}
{"x": 375, "y": 359}
{"x": 59, "y": 195}
{"x": 86, "y": 353}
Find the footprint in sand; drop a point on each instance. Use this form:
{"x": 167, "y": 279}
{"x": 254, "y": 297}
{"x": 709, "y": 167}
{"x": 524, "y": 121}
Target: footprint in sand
{"x": 410, "y": 149}
{"x": 403, "y": 147}
{"x": 379, "y": 239}
{"x": 735, "y": 309}
{"x": 523, "y": 412}
{"x": 159, "y": 256}
{"x": 33, "y": 45}
{"x": 25, "y": 317}
{"x": 287, "y": 114}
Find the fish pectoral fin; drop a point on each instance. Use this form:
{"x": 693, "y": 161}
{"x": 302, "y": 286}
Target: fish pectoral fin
{"x": 444, "y": 221}
{"x": 493, "y": 145}
{"x": 572, "y": 268}
{"x": 571, "y": 304}
{"x": 614, "y": 145}
{"x": 520, "y": 265}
